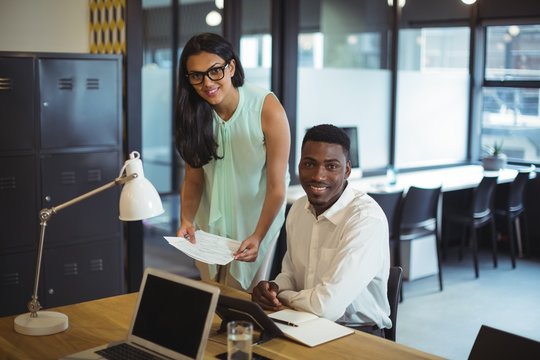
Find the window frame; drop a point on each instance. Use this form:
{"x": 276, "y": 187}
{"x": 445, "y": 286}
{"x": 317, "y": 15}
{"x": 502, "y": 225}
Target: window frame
{"x": 486, "y": 83}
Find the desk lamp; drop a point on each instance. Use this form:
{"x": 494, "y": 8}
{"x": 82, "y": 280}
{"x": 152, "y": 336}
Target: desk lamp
{"x": 138, "y": 200}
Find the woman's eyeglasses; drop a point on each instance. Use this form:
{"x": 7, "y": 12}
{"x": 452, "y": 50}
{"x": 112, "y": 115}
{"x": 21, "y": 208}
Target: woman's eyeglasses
{"x": 214, "y": 74}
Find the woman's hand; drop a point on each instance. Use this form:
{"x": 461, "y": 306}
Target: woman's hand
{"x": 187, "y": 231}
{"x": 248, "y": 250}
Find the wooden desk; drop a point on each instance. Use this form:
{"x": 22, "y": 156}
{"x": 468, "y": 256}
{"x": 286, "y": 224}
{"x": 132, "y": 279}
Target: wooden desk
{"x": 105, "y": 320}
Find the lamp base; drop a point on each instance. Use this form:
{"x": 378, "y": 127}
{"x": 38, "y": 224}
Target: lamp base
{"x": 46, "y": 323}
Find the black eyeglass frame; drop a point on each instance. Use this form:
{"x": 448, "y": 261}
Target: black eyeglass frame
{"x": 207, "y": 74}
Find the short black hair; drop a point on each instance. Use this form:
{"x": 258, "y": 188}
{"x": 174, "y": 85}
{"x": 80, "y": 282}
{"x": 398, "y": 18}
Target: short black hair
{"x": 329, "y": 134}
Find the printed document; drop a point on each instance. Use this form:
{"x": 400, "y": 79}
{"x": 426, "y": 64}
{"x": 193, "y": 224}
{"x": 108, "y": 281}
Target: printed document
{"x": 209, "y": 248}
{"x": 308, "y": 328}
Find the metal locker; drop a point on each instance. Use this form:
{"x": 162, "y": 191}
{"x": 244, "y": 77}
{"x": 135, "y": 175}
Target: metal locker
{"x": 78, "y": 102}
{"x": 66, "y": 176}
{"x": 16, "y": 281}
{"x": 17, "y": 103}
{"x": 84, "y": 272}
{"x": 18, "y": 187}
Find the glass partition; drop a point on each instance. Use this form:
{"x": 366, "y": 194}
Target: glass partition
{"x": 343, "y": 77}
{"x": 432, "y": 93}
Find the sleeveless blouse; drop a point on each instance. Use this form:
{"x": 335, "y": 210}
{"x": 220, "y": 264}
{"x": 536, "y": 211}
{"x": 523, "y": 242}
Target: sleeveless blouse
{"x": 235, "y": 186}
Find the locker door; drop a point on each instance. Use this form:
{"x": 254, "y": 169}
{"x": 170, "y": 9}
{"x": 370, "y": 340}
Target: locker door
{"x": 66, "y": 176}
{"x": 78, "y": 102}
{"x": 17, "y": 103}
{"x": 16, "y": 282}
{"x": 18, "y": 209}
{"x": 83, "y": 272}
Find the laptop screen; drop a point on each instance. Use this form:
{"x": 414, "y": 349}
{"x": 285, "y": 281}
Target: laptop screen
{"x": 172, "y": 315}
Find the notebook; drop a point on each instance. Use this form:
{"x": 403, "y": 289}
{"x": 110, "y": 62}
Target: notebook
{"x": 172, "y": 318}
{"x": 308, "y": 328}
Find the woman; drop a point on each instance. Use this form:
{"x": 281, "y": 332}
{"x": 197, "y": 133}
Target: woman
{"x": 235, "y": 140}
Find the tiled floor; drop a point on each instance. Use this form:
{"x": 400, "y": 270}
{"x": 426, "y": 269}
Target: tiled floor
{"x": 443, "y": 323}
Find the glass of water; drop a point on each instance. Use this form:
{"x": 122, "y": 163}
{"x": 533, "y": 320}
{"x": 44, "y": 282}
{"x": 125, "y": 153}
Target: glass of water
{"x": 239, "y": 339}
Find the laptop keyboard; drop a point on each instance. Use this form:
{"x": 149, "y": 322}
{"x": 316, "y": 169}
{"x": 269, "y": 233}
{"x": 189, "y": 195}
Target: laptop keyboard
{"x": 125, "y": 351}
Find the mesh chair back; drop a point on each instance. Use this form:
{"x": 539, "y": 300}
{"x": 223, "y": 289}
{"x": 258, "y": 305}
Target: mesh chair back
{"x": 483, "y": 197}
{"x": 419, "y": 207}
{"x": 394, "y": 285}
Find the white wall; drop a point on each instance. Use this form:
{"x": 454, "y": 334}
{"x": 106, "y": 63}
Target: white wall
{"x": 44, "y": 25}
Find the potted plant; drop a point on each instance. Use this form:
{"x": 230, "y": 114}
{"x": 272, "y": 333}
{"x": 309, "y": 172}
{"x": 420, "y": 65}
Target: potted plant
{"x": 495, "y": 158}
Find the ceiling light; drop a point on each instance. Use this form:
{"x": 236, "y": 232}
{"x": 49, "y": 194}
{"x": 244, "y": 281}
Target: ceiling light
{"x": 401, "y": 3}
{"x": 213, "y": 18}
{"x": 513, "y": 30}
{"x": 468, "y": 2}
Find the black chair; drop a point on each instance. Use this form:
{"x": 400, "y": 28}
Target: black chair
{"x": 390, "y": 202}
{"x": 394, "y": 288}
{"x": 419, "y": 218}
{"x": 495, "y": 344}
{"x": 509, "y": 207}
{"x": 476, "y": 215}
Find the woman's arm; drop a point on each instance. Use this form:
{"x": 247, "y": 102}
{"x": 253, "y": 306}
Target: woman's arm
{"x": 277, "y": 138}
{"x": 190, "y": 197}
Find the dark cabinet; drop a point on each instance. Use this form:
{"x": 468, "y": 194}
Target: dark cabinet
{"x": 60, "y": 137}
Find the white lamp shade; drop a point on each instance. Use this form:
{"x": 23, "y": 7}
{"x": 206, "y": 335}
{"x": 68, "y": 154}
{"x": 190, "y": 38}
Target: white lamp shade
{"x": 139, "y": 199}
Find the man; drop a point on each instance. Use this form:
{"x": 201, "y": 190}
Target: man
{"x": 337, "y": 260}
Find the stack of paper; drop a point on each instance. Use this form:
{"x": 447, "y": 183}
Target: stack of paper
{"x": 209, "y": 248}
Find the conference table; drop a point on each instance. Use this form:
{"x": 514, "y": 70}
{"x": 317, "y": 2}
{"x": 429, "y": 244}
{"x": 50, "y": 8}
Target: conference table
{"x": 105, "y": 320}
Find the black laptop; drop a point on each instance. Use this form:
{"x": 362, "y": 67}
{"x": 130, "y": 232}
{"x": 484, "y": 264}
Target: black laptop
{"x": 172, "y": 320}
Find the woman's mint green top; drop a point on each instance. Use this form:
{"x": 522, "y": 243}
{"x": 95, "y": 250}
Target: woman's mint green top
{"x": 235, "y": 186}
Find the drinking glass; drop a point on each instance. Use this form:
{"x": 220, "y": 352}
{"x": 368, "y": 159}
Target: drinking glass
{"x": 239, "y": 339}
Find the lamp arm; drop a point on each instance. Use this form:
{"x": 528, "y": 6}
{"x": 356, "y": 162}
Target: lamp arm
{"x": 45, "y": 214}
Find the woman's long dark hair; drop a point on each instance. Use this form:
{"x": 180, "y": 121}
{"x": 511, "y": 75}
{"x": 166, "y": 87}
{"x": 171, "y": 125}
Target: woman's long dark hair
{"x": 194, "y": 131}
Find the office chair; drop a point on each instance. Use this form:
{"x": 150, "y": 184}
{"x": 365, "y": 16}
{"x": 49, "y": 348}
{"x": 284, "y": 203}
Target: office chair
{"x": 390, "y": 202}
{"x": 495, "y": 344}
{"x": 419, "y": 218}
{"x": 394, "y": 287}
{"x": 509, "y": 206}
{"x": 476, "y": 215}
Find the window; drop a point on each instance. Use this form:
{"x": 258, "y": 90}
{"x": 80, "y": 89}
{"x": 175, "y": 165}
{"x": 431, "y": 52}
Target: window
{"x": 256, "y": 42}
{"x": 432, "y": 108}
{"x": 342, "y": 74}
{"x": 511, "y": 91}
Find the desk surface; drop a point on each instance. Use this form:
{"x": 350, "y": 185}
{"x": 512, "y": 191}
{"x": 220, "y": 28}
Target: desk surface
{"x": 451, "y": 179}
{"x": 105, "y": 320}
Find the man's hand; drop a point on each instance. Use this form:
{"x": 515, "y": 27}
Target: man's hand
{"x": 265, "y": 294}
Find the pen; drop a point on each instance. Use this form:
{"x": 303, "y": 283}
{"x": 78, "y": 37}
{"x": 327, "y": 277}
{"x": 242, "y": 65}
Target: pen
{"x": 285, "y": 322}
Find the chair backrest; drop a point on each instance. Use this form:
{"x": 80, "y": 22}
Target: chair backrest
{"x": 496, "y": 344}
{"x": 517, "y": 189}
{"x": 419, "y": 207}
{"x": 394, "y": 285}
{"x": 482, "y": 201}
{"x": 390, "y": 202}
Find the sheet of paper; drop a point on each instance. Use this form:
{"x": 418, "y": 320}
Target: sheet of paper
{"x": 209, "y": 248}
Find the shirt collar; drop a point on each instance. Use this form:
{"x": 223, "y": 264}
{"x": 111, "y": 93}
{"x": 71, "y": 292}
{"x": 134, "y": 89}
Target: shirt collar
{"x": 332, "y": 213}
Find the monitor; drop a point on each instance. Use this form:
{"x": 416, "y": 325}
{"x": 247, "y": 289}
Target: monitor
{"x": 354, "y": 155}
{"x": 352, "y": 132}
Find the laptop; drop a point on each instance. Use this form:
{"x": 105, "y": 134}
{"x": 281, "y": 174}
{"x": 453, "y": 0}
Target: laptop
{"x": 172, "y": 319}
